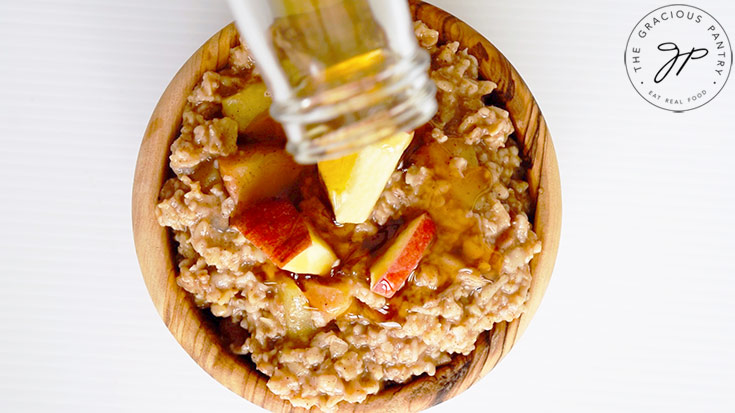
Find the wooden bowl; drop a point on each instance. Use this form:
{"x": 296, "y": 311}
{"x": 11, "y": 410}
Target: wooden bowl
{"x": 196, "y": 329}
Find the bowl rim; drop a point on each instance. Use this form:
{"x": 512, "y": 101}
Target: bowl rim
{"x": 196, "y": 332}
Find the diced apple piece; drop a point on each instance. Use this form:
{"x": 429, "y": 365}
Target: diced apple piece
{"x": 354, "y": 182}
{"x": 332, "y": 300}
{"x": 246, "y": 105}
{"x": 318, "y": 258}
{"x": 256, "y": 172}
{"x": 391, "y": 270}
{"x": 277, "y": 229}
{"x": 467, "y": 189}
{"x": 295, "y": 305}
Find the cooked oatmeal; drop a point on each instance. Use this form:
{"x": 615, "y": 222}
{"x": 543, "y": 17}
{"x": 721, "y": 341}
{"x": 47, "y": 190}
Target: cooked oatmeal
{"x": 462, "y": 169}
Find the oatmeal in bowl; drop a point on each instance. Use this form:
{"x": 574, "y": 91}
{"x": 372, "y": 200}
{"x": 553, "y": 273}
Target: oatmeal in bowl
{"x": 358, "y": 274}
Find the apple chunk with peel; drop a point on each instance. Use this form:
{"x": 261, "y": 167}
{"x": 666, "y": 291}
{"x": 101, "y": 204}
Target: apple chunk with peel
{"x": 257, "y": 171}
{"x": 317, "y": 258}
{"x": 354, "y": 182}
{"x": 391, "y": 270}
{"x": 277, "y": 229}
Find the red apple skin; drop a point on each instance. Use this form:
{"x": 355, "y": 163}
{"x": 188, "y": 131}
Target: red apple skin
{"x": 385, "y": 288}
{"x": 406, "y": 260}
{"x": 276, "y": 228}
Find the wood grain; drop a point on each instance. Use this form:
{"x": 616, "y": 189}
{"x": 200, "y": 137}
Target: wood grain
{"x": 197, "y": 333}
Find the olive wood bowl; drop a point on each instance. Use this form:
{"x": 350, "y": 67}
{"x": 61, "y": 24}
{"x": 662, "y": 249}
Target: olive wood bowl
{"x": 197, "y": 331}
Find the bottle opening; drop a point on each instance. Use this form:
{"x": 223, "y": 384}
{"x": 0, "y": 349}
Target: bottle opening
{"x": 342, "y": 73}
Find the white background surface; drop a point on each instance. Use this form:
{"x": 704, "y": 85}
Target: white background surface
{"x": 639, "y": 315}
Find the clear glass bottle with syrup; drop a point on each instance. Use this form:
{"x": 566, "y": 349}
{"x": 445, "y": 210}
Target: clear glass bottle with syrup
{"x": 342, "y": 73}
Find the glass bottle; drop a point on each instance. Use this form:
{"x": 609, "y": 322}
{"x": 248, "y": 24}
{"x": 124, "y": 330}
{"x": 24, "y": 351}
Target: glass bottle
{"x": 342, "y": 73}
